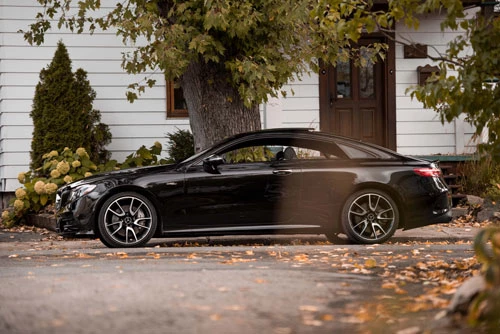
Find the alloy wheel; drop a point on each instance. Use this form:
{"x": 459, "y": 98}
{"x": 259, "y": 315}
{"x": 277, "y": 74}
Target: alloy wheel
{"x": 371, "y": 217}
{"x": 127, "y": 220}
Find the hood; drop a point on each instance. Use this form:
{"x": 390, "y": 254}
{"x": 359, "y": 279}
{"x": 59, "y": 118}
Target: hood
{"x": 130, "y": 172}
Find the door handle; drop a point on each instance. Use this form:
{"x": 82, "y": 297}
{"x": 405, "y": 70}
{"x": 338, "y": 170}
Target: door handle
{"x": 282, "y": 171}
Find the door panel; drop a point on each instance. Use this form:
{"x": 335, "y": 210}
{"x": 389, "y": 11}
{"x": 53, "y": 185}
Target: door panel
{"x": 326, "y": 185}
{"x": 368, "y": 121}
{"x": 226, "y": 198}
{"x": 344, "y": 122}
{"x": 242, "y": 195}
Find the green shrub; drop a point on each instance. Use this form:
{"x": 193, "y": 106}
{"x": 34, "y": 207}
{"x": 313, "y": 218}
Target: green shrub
{"x": 144, "y": 157}
{"x": 481, "y": 178}
{"x": 180, "y": 145}
{"x": 60, "y": 168}
{"x": 62, "y": 112}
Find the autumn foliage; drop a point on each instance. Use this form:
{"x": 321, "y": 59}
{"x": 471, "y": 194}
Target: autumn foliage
{"x": 485, "y": 309}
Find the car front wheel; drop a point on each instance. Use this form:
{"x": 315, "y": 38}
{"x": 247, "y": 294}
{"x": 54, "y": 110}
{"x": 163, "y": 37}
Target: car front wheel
{"x": 126, "y": 220}
{"x": 370, "y": 216}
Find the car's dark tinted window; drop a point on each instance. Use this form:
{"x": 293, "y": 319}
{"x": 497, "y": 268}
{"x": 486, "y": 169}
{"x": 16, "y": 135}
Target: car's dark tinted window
{"x": 261, "y": 153}
{"x": 355, "y": 153}
{"x": 277, "y": 149}
{"x": 274, "y": 153}
{"x": 364, "y": 152}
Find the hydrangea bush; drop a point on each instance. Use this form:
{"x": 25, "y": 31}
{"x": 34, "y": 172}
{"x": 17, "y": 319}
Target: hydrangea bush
{"x": 39, "y": 187}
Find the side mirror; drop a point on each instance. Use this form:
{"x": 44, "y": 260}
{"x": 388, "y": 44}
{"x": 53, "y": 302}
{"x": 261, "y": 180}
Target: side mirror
{"x": 211, "y": 163}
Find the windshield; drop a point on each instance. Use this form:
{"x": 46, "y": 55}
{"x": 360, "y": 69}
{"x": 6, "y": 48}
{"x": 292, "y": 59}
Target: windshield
{"x": 214, "y": 148}
{"x": 194, "y": 157}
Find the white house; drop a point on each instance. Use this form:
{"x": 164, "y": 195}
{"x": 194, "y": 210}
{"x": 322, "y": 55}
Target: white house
{"x": 368, "y": 103}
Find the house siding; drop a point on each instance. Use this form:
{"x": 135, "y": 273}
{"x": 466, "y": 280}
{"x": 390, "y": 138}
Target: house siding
{"x": 300, "y": 107}
{"x": 132, "y": 124}
{"x": 419, "y": 130}
{"x": 143, "y": 122}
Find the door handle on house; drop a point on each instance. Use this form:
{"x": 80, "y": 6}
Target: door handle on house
{"x": 282, "y": 171}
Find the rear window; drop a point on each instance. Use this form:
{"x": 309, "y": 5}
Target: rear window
{"x": 356, "y": 152}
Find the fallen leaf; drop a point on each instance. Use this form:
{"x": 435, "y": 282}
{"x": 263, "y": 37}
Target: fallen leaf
{"x": 301, "y": 257}
{"x": 154, "y": 255}
{"x": 234, "y": 308}
{"x": 312, "y": 322}
{"x": 370, "y": 263}
{"x": 83, "y": 256}
{"x": 308, "y": 308}
{"x": 389, "y": 285}
{"x": 410, "y": 330}
{"x": 122, "y": 255}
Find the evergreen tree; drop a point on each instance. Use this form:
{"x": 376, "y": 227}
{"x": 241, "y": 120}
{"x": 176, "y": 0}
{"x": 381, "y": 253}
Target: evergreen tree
{"x": 62, "y": 112}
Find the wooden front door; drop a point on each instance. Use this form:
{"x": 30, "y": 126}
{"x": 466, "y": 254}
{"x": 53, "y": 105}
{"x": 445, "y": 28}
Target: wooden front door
{"x": 355, "y": 100}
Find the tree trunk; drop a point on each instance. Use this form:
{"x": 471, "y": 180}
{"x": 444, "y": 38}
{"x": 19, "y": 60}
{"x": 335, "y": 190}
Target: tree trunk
{"x": 216, "y": 109}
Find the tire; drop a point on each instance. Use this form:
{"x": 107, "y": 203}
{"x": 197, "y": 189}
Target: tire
{"x": 370, "y": 216}
{"x": 126, "y": 220}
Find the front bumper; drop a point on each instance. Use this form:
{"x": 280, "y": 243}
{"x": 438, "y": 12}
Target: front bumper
{"x": 68, "y": 224}
{"x": 76, "y": 217}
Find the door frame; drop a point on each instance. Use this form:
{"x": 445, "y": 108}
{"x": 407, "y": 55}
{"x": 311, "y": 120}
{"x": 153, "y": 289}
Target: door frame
{"x": 389, "y": 78}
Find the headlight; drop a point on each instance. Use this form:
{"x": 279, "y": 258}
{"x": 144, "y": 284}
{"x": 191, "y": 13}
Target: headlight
{"x": 81, "y": 191}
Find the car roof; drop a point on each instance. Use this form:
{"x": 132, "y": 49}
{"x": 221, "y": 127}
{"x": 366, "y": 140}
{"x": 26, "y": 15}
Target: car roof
{"x": 317, "y": 134}
{"x": 306, "y": 132}
{"x": 284, "y": 131}
{"x": 277, "y": 130}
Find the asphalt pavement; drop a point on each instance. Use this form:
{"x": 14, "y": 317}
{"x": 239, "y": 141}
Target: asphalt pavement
{"x": 449, "y": 232}
{"x": 432, "y": 233}
{"x": 246, "y": 284}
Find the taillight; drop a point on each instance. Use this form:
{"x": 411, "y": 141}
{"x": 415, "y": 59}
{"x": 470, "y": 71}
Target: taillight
{"x": 428, "y": 171}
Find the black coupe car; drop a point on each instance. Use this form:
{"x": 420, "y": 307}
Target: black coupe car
{"x": 270, "y": 181}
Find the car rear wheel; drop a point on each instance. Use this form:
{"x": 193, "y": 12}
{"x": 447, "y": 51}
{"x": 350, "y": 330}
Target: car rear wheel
{"x": 370, "y": 216}
{"x": 126, "y": 220}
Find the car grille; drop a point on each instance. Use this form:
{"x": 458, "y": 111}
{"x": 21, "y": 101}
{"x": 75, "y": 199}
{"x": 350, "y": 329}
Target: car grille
{"x": 62, "y": 197}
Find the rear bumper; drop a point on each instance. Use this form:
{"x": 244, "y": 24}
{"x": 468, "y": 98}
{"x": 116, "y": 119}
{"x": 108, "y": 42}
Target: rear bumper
{"x": 438, "y": 210}
{"x": 445, "y": 217}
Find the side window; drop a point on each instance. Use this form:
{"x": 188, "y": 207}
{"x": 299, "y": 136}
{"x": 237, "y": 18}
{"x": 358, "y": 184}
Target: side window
{"x": 280, "y": 149}
{"x": 309, "y": 154}
{"x": 306, "y": 153}
{"x": 251, "y": 154}
{"x": 267, "y": 153}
